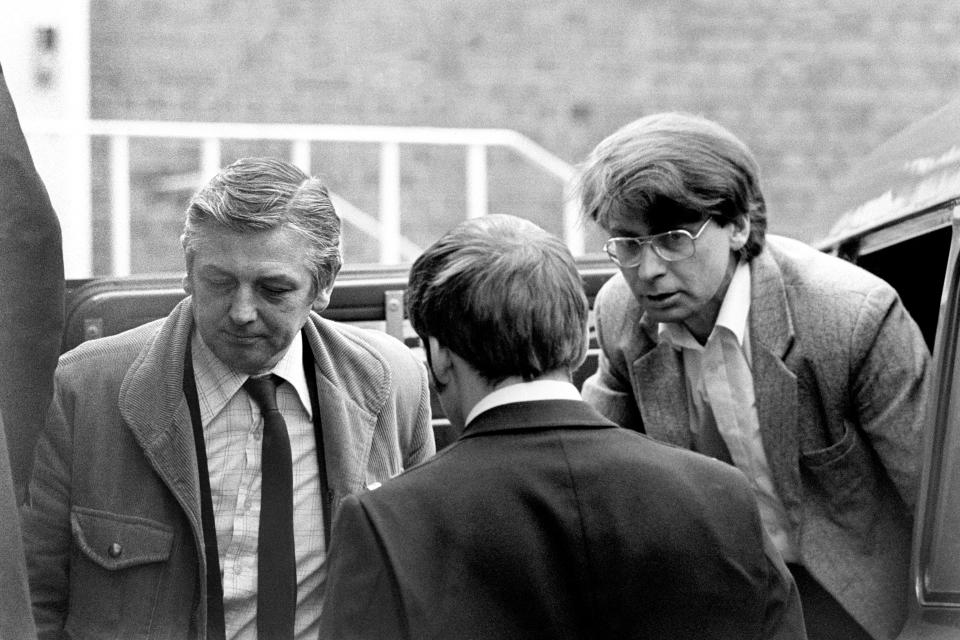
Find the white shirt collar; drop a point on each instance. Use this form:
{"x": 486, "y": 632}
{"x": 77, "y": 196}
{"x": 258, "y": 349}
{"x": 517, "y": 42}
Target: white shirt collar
{"x": 734, "y": 311}
{"x": 525, "y": 392}
{"x": 290, "y": 368}
{"x": 217, "y": 383}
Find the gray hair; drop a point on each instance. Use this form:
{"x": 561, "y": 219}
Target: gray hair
{"x": 259, "y": 194}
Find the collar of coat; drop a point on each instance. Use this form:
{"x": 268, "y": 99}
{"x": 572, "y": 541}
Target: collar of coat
{"x": 536, "y": 414}
{"x": 353, "y": 384}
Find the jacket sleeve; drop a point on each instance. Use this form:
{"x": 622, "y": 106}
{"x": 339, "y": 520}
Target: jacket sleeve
{"x": 608, "y": 390}
{"x": 46, "y": 522}
{"x": 891, "y": 386}
{"x": 362, "y": 600}
{"x": 16, "y": 620}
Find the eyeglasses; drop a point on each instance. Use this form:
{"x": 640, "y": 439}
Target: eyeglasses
{"x": 671, "y": 246}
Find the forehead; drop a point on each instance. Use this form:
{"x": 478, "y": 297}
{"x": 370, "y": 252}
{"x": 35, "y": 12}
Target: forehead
{"x": 640, "y": 225}
{"x": 654, "y": 216}
{"x": 278, "y": 251}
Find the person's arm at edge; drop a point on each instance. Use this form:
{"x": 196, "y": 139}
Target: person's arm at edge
{"x": 362, "y": 595}
{"x": 31, "y": 292}
{"x": 16, "y": 618}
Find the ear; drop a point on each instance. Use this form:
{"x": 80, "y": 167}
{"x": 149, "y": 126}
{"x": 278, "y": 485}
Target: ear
{"x": 323, "y": 298}
{"x": 739, "y": 229}
{"x": 440, "y": 360}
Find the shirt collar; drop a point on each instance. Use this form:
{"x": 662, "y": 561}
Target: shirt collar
{"x": 734, "y": 311}
{"x": 217, "y": 383}
{"x": 290, "y": 368}
{"x": 525, "y": 392}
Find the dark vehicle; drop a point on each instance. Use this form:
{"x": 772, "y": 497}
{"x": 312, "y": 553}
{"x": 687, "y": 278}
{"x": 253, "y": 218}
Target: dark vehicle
{"x": 902, "y": 222}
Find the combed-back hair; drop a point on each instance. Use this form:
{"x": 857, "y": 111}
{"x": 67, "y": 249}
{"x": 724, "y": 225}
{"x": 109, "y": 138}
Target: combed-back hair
{"x": 504, "y": 295}
{"x": 259, "y": 194}
{"x": 670, "y": 169}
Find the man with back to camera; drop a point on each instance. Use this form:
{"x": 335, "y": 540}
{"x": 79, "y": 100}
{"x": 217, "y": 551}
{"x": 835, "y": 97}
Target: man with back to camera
{"x": 188, "y": 473}
{"x": 543, "y": 520}
{"x": 804, "y": 371}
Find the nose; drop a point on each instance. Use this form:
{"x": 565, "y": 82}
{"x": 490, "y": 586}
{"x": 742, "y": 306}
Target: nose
{"x": 651, "y": 265}
{"x": 243, "y": 307}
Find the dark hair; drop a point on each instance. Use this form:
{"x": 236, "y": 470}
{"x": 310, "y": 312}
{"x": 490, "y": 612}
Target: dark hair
{"x": 504, "y": 295}
{"x": 258, "y": 194}
{"x": 671, "y": 169}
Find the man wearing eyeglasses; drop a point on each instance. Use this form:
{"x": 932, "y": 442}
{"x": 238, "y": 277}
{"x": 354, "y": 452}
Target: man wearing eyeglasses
{"x": 804, "y": 371}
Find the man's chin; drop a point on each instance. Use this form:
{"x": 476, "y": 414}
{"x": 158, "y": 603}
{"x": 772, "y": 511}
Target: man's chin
{"x": 248, "y": 361}
{"x": 666, "y": 315}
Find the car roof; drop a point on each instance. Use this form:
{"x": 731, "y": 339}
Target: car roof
{"x": 914, "y": 171}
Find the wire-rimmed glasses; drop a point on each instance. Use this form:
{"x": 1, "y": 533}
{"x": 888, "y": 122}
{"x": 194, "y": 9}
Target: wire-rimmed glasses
{"x": 674, "y": 245}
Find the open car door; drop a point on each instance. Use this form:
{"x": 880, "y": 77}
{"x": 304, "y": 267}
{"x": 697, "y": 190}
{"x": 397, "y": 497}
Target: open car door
{"x": 902, "y": 222}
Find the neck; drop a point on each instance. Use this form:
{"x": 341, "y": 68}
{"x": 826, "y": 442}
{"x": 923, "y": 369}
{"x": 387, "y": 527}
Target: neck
{"x": 701, "y": 324}
{"x": 482, "y": 388}
{"x": 470, "y": 388}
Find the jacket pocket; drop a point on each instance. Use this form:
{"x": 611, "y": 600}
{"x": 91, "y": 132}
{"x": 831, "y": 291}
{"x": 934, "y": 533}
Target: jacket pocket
{"x": 845, "y": 475}
{"x": 115, "y": 541}
{"x": 116, "y": 573}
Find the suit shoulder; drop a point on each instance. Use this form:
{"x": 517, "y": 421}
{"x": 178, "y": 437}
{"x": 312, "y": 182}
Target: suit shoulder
{"x": 369, "y": 342}
{"x": 806, "y": 267}
{"x": 669, "y": 461}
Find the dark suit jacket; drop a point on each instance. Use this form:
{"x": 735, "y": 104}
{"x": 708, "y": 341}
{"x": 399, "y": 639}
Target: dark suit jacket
{"x": 545, "y": 520}
{"x": 16, "y": 619}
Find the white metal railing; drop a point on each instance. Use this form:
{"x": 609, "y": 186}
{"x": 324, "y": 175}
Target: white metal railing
{"x": 393, "y": 247}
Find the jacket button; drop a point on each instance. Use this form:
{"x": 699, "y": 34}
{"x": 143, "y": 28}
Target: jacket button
{"x": 115, "y": 550}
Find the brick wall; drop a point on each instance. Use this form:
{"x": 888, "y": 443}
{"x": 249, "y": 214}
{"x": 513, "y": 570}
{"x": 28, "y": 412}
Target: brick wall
{"x": 809, "y": 85}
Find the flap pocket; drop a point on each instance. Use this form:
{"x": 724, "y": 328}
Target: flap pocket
{"x": 116, "y": 541}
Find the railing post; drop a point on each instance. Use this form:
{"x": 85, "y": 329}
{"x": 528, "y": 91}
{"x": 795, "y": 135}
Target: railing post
{"x": 389, "y": 203}
{"x": 572, "y": 226}
{"x": 120, "y": 205}
{"x": 477, "y": 204}
{"x": 210, "y": 160}
{"x": 300, "y": 155}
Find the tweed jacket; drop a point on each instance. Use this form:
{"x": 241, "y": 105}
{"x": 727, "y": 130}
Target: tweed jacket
{"x": 840, "y": 378}
{"x": 546, "y": 521}
{"x": 112, "y": 527}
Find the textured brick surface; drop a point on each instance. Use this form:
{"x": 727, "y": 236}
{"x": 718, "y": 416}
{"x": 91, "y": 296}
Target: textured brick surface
{"x": 810, "y": 85}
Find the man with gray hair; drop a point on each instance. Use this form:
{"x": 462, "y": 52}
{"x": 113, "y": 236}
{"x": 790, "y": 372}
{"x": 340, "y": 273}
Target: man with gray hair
{"x": 189, "y": 471}
{"x": 544, "y": 519}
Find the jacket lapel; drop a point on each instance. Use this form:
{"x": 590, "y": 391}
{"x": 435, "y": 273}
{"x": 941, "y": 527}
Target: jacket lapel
{"x": 154, "y": 408}
{"x": 775, "y": 386}
{"x": 661, "y": 393}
